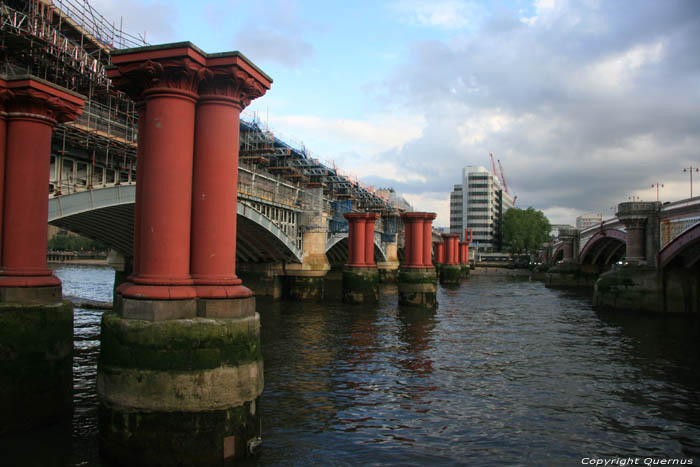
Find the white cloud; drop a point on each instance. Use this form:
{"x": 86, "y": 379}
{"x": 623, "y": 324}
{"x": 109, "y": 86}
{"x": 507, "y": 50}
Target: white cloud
{"x": 431, "y": 202}
{"x": 443, "y": 14}
{"x": 617, "y": 71}
{"x": 367, "y": 137}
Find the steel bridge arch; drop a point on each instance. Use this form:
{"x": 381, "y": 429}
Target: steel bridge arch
{"x": 337, "y": 252}
{"x": 685, "y": 247}
{"x": 603, "y": 239}
{"x": 106, "y": 215}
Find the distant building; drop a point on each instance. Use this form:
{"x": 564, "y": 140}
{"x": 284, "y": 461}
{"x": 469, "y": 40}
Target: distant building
{"x": 478, "y": 203}
{"x": 556, "y": 227}
{"x": 588, "y": 220}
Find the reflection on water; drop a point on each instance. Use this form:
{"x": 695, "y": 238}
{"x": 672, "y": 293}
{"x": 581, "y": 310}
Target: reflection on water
{"x": 503, "y": 372}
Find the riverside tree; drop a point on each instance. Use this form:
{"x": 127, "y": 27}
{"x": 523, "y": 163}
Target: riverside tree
{"x": 525, "y": 230}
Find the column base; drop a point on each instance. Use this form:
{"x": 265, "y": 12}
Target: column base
{"x": 179, "y": 392}
{"x": 243, "y": 307}
{"x": 360, "y": 285}
{"x": 47, "y": 295}
{"x": 418, "y": 287}
{"x": 450, "y": 274}
{"x": 36, "y": 365}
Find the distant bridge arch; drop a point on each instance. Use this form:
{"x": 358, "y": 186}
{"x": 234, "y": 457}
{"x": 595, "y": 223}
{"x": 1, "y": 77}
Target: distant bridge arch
{"x": 606, "y": 246}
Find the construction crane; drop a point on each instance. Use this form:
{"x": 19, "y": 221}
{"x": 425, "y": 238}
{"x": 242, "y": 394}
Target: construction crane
{"x": 503, "y": 177}
{"x": 493, "y": 164}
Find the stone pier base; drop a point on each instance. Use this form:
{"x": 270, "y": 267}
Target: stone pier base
{"x": 418, "y": 287}
{"x": 180, "y": 391}
{"x": 450, "y": 274}
{"x": 36, "y": 365}
{"x": 265, "y": 280}
{"x": 360, "y": 285}
{"x": 571, "y": 275}
{"x": 465, "y": 271}
{"x": 388, "y": 272}
{"x": 305, "y": 288}
{"x": 630, "y": 288}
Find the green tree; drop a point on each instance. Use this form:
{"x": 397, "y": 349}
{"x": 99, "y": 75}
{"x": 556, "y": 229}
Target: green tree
{"x": 524, "y": 230}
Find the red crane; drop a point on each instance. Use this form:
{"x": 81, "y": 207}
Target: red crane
{"x": 503, "y": 177}
{"x": 493, "y": 164}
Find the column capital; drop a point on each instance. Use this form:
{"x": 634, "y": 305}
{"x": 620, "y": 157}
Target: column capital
{"x": 29, "y": 96}
{"x": 179, "y": 66}
{"x": 232, "y": 75}
{"x": 417, "y": 216}
{"x": 353, "y": 216}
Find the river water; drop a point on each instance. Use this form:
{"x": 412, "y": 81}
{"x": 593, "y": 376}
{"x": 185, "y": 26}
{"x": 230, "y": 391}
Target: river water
{"x": 503, "y": 372}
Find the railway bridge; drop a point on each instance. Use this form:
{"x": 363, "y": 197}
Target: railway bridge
{"x": 647, "y": 257}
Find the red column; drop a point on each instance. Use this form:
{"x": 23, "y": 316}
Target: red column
{"x": 439, "y": 253}
{"x": 166, "y": 80}
{"x": 356, "y": 239}
{"x": 418, "y": 251}
{"x": 428, "y": 239}
{"x": 227, "y": 88}
{"x": 3, "y": 134}
{"x": 33, "y": 109}
{"x": 369, "y": 240}
{"x": 463, "y": 253}
{"x": 451, "y": 253}
{"x": 140, "y": 164}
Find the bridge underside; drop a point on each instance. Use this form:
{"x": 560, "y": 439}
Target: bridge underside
{"x": 604, "y": 251}
{"x": 337, "y": 254}
{"x": 113, "y": 226}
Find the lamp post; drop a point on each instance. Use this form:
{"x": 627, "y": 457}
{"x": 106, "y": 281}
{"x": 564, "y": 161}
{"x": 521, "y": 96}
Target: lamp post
{"x": 690, "y": 169}
{"x": 657, "y": 185}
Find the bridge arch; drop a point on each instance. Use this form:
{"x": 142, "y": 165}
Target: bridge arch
{"x": 337, "y": 249}
{"x": 684, "y": 250}
{"x": 106, "y": 215}
{"x": 606, "y": 246}
{"x": 557, "y": 253}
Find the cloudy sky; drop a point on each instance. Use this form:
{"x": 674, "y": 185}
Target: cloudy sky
{"x": 586, "y": 103}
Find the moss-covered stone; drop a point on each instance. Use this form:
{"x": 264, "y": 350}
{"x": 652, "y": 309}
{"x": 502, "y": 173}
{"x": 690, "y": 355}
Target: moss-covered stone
{"x": 186, "y": 344}
{"x": 570, "y": 275}
{"x": 451, "y": 274}
{"x": 360, "y": 285}
{"x": 305, "y": 288}
{"x": 36, "y": 365}
{"x": 465, "y": 271}
{"x": 177, "y": 438}
{"x": 417, "y": 287}
{"x": 632, "y": 288}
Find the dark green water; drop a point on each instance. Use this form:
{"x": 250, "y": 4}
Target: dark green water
{"x": 503, "y": 372}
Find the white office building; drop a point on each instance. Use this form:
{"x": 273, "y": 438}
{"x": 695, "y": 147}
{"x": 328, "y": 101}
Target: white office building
{"x": 588, "y": 220}
{"x": 479, "y": 203}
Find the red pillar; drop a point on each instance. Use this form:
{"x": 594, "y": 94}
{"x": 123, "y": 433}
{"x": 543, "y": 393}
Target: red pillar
{"x": 369, "y": 239}
{"x": 428, "y": 239}
{"x": 464, "y": 253}
{"x": 33, "y": 109}
{"x": 439, "y": 252}
{"x": 3, "y": 134}
{"x": 227, "y": 89}
{"x": 140, "y": 164}
{"x": 418, "y": 238}
{"x": 451, "y": 253}
{"x": 356, "y": 239}
{"x": 166, "y": 80}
